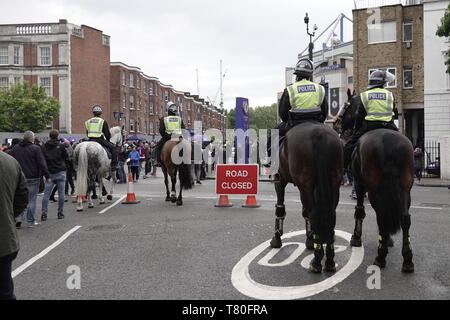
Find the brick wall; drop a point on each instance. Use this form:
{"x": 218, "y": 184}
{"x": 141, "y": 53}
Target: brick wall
{"x": 90, "y": 67}
{"x": 395, "y": 54}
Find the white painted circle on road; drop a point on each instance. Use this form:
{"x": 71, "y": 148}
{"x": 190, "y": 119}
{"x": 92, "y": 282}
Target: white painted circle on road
{"x": 242, "y": 281}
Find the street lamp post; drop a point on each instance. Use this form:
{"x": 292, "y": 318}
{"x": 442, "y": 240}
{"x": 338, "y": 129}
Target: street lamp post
{"x": 311, "y": 35}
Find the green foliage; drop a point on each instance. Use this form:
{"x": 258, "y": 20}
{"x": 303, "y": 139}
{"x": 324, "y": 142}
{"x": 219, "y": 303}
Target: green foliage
{"x": 263, "y": 117}
{"x": 444, "y": 31}
{"x": 231, "y": 118}
{"x": 25, "y": 108}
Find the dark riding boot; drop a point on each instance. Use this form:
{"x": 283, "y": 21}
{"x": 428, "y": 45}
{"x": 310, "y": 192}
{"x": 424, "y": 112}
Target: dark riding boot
{"x": 158, "y": 158}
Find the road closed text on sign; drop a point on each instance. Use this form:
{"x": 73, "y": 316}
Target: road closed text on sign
{"x": 237, "y": 179}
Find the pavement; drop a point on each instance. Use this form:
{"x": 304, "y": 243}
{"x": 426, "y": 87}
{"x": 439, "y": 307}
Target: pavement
{"x": 155, "y": 250}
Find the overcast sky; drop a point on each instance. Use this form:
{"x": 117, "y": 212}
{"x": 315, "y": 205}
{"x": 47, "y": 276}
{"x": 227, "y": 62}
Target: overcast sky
{"x": 170, "y": 39}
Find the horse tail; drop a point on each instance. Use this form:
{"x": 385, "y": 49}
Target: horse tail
{"x": 390, "y": 199}
{"x": 323, "y": 212}
{"x": 82, "y": 170}
{"x": 186, "y": 180}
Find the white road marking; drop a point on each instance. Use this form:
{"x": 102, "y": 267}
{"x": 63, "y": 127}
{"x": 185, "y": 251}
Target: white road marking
{"x": 243, "y": 282}
{"x": 27, "y": 264}
{"x": 113, "y": 205}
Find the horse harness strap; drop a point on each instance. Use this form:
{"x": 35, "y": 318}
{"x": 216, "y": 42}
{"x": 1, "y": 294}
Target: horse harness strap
{"x": 306, "y": 97}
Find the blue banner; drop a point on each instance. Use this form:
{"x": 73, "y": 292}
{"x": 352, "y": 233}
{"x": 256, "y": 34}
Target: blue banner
{"x": 242, "y": 122}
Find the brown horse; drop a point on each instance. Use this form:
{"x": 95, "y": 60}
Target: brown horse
{"x": 383, "y": 165}
{"x": 312, "y": 159}
{"x": 183, "y": 169}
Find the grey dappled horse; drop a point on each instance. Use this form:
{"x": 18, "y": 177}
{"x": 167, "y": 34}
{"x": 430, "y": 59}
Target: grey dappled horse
{"x": 92, "y": 164}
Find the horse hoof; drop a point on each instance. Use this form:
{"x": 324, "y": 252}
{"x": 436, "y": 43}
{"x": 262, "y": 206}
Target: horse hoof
{"x": 173, "y": 200}
{"x": 276, "y": 243}
{"x": 79, "y": 210}
{"x": 380, "y": 263}
{"x": 179, "y": 203}
{"x": 355, "y": 242}
{"x": 91, "y": 207}
{"x": 103, "y": 202}
{"x": 408, "y": 267}
{"x": 168, "y": 199}
{"x": 315, "y": 268}
{"x": 109, "y": 197}
{"x": 94, "y": 197}
{"x": 330, "y": 267}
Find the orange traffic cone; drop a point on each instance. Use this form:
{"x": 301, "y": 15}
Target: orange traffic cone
{"x": 131, "y": 197}
{"x": 251, "y": 202}
{"x": 223, "y": 202}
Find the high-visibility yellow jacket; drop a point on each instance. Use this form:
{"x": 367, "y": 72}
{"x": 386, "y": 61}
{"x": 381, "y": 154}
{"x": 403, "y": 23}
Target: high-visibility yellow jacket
{"x": 173, "y": 125}
{"x": 306, "y": 97}
{"x": 379, "y": 104}
{"x": 94, "y": 127}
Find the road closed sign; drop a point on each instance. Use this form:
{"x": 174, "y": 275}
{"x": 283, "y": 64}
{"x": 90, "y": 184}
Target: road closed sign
{"x": 237, "y": 179}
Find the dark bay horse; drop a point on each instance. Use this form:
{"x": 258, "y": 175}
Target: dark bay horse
{"x": 180, "y": 148}
{"x": 383, "y": 166}
{"x": 312, "y": 159}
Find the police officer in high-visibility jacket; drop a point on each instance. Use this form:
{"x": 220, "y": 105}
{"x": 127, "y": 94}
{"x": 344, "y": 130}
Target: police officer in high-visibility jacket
{"x": 302, "y": 101}
{"x": 168, "y": 126}
{"x": 98, "y": 131}
{"x": 375, "y": 110}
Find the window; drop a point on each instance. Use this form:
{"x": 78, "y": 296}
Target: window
{"x": 166, "y": 95}
{"x": 131, "y": 80}
{"x": 382, "y": 32}
{"x": 45, "y": 56}
{"x": 145, "y": 86}
{"x": 152, "y": 127}
{"x": 131, "y": 102}
{"x": 16, "y": 55}
{"x": 150, "y": 108}
{"x": 350, "y": 80}
{"x": 150, "y": 89}
{"x": 4, "y": 55}
{"x": 46, "y": 83}
{"x": 407, "y": 32}
{"x": 131, "y": 125}
{"x": 4, "y": 83}
{"x": 145, "y": 127}
{"x": 124, "y": 79}
{"x": 17, "y": 80}
{"x": 139, "y": 103}
{"x": 138, "y": 82}
{"x": 407, "y": 78}
{"x": 392, "y": 70}
{"x": 124, "y": 101}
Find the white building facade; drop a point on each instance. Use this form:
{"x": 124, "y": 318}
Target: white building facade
{"x": 437, "y": 81}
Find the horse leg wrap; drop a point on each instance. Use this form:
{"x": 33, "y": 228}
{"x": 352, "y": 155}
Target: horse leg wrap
{"x": 316, "y": 263}
{"x": 330, "y": 266}
{"x": 279, "y": 222}
{"x": 280, "y": 211}
{"x": 360, "y": 213}
{"x": 382, "y": 251}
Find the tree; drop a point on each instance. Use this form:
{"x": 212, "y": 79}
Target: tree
{"x": 25, "y": 108}
{"x": 264, "y": 117}
{"x": 231, "y": 118}
{"x": 444, "y": 31}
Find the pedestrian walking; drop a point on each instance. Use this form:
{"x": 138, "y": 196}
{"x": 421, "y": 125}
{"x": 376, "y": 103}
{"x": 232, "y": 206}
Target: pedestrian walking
{"x": 34, "y": 166}
{"x": 133, "y": 164}
{"x": 56, "y": 157}
{"x": 13, "y": 201}
{"x": 418, "y": 163}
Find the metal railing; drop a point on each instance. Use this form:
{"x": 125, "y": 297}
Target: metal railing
{"x": 365, "y": 4}
{"x": 432, "y": 156}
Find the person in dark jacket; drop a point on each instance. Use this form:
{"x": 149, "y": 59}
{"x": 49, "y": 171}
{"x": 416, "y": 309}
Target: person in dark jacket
{"x": 418, "y": 163}
{"x": 56, "y": 156}
{"x": 13, "y": 201}
{"x": 34, "y": 166}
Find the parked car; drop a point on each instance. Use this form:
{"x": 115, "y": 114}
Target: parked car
{"x": 434, "y": 168}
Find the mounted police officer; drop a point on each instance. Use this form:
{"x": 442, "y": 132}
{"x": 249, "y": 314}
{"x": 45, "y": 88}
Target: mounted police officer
{"x": 168, "y": 126}
{"x": 375, "y": 110}
{"x": 302, "y": 101}
{"x": 98, "y": 130}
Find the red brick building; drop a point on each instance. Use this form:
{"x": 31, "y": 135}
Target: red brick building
{"x": 138, "y": 101}
{"x": 71, "y": 62}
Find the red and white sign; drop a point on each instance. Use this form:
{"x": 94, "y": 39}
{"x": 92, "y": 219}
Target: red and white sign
{"x": 237, "y": 179}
